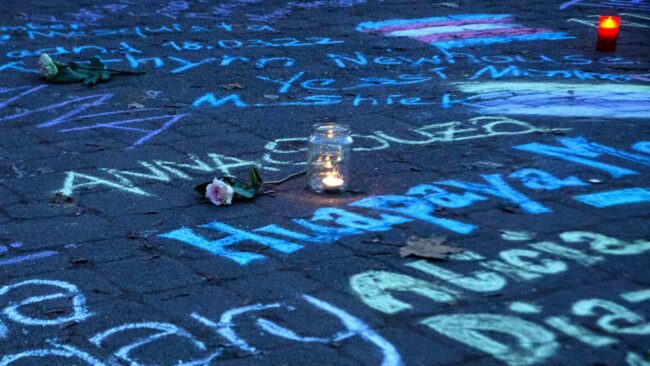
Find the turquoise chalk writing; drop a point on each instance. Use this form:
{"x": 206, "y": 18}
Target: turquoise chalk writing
{"x": 614, "y": 198}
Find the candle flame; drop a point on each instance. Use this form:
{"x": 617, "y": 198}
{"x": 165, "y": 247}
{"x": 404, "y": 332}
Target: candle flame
{"x": 609, "y": 23}
{"x": 332, "y": 181}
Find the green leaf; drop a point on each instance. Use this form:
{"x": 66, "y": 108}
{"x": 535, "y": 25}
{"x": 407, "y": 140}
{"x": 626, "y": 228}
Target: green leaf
{"x": 247, "y": 193}
{"x": 244, "y": 190}
{"x": 254, "y": 178}
{"x": 90, "y": 74}
{"x": 96, "y": 62}
{"x": 201, "y": 188}
{"x": 67, "y": 75}
{"x": 229, "y": 180}
{"x": 92, "y": 78}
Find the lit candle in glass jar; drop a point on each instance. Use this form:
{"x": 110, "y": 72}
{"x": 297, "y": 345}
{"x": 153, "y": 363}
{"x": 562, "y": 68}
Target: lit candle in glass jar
{"x": 329, "y": 149}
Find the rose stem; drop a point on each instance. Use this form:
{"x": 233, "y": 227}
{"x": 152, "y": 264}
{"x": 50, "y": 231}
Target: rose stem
{"x": 285, "y": 179}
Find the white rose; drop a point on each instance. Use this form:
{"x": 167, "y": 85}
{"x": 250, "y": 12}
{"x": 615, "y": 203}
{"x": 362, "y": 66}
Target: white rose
{"x": 219, "y": 192}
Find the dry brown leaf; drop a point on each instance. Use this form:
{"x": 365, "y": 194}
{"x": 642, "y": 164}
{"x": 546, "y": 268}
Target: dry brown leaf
{"x": 431, "y": 247}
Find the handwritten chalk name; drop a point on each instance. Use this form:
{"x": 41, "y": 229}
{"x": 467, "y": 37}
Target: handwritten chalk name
{"x": 67, "y": 31}
{"x": 514, "y": 71}
{"x": 236, "y": 43}
{"x": 143, "y": 348}
{"x": 390, "y": 58}
{"x": 419, "y": 203}
{"x": 530, "y": 342}
{"x": 290, "y": 152}
{"x": 72, "y": 111}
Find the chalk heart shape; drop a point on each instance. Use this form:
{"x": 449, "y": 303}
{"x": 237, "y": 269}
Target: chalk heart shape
{"x": 65, "y": 291}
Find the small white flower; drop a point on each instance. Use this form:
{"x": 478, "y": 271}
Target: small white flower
{"x": 219, "y": 192}
{"x": 47, "y": 66}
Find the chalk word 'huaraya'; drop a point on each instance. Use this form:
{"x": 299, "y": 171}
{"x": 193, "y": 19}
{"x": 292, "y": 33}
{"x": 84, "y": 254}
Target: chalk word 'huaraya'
{"x": 329, "y": 224}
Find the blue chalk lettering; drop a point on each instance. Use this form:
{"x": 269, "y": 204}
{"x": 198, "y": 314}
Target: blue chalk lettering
{"x": 285, "y": 85}
{"x": 279, "y": 230}
{"x": 318, "y": 99}
{"x": 358, "y": 99}
{"x": 227, "y": 60}
{"x": 413, "y": 207}
{"x": 27, "y": 257}
{"x": 339, "y": 59}
{"x": 356, "y": 221}
{"x": 539, "y": 179}
{"x": 135, "y": 62}
{"x": 188, "y": 64}
{"x": 218, "y": 247}
{"x": 83, "y": 48}
{"x": 261, "y": 63}
{"x": 332, "y": 233}
{"x": 642, "y": 146}
{"x": 211, "y": 100}
{"x": 441, "y": 197}
{"x": 16, "y": 66}
{"x": 433, "y": 60}
{"x": 510, "y": 71}
{"x": 499, "y": 188}
{"x": 448, "y": 101}
{"x": 384, "y": 60}
{"x": 414, "y": 101}
{"x": 615, "y": 197}
{"x": 579, "y": 150}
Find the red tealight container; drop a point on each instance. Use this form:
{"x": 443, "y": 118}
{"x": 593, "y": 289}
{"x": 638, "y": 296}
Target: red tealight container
{"x": 608, "y": 27}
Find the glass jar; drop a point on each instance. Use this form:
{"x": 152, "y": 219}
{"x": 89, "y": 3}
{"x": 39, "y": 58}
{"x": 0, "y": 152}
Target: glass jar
{"x": 329, "y": 147}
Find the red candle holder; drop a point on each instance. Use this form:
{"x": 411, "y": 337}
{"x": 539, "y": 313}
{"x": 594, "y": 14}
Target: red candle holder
{"x": 608, "y": 27}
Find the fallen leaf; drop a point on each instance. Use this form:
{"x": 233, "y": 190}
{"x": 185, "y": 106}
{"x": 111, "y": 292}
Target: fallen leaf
{"x": 232, "y": 86}
{"x": 431, "y": 247}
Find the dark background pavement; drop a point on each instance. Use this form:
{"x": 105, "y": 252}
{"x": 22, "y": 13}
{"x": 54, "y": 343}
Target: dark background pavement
{"x": 86, "y": 278}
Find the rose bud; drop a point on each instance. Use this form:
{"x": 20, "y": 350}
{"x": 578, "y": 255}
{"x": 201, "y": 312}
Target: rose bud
{"x": 219, "y": 192}
{"x": 47, "y": 66}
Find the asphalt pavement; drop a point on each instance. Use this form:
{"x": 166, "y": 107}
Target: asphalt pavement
{"x": 497, "y": 211}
